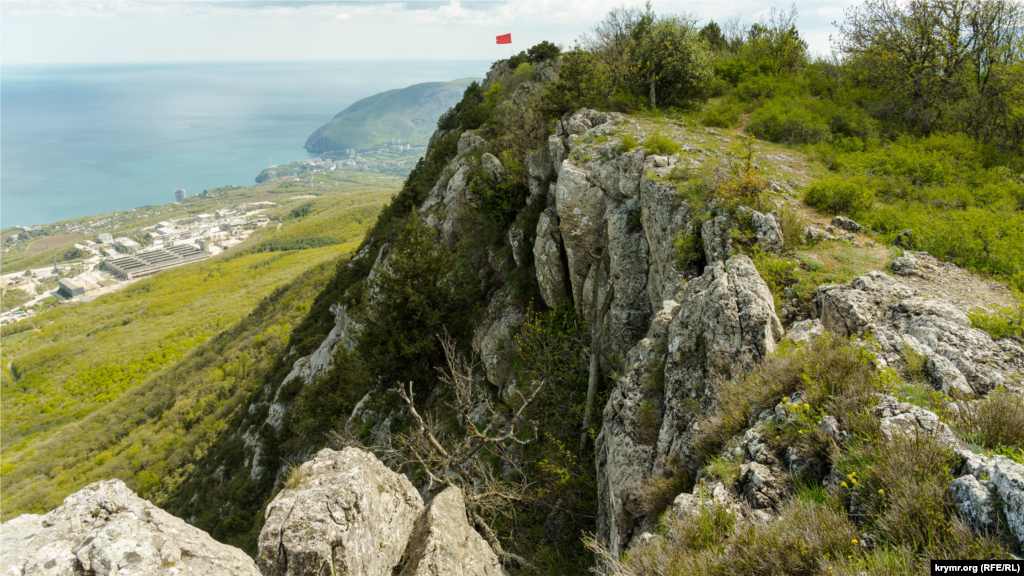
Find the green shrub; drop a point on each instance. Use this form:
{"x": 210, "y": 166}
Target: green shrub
{"x": 760, "y": 88}
{"x": 902, "y": 489}
{"x": 658, "y": 492}
{"x": 914, "y": 365}
{"x": 658, "y": 143}
{"x": 709, "y": 530}
{"x": 725, "y": 114}
{"x": 427, "y": 292}
{"x": 499, "y": 202}
{"x": 993, "y": 422}
{"x": 301, "y": 210}
{"x": 1002, "y": 322}
{"x": 688, "y": 249}
{"x": 649, "y": 421}
{"x": 836, "y": 376}
{"x": 838, "y": 195}
{"x": 787, "y": 120}
{"x": 776, "y": 272}
{"x": 627, "y": 143}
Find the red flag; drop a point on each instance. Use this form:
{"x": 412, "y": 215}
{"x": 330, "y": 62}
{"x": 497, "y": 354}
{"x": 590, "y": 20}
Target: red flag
{"x": 505, "y": 38}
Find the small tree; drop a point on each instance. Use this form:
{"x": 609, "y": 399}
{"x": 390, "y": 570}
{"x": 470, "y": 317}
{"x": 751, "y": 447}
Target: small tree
{"x": 776, "y": 43}
{"x": 422, "y": 290}
{"x": 711, "y": 33}
{"x": 449, "y": 458}
{"x": 582, "y": 83}
{"x": 669, "y": 58}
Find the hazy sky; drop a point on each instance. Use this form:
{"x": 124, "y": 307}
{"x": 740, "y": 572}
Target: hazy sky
{"x": 53, "y": 31}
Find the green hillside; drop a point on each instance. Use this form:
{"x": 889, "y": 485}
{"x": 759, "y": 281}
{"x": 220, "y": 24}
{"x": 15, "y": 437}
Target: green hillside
{"x": 408, "y": 114}
{"x": 130, "y": 384}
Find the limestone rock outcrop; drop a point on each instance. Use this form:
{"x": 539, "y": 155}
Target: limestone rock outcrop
{"x": 727, "y": 315}
{"x": 959, "y": 359}
{"x": 492, "y": 340}
{"x": 444, "y": 544}
{"x": 345, "y": 513}
{"x": 901, "y": 419}
{"x": 549, "y": 259}
{"x": 999, "y": 476}
{"x": 723, "y": 321}
{"x": 106, "y": 529}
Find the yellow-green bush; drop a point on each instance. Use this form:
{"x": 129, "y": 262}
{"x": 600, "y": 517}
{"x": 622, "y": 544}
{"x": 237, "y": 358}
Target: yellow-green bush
{"x": 659, "y": 143}
{"x": 838, "y": 195}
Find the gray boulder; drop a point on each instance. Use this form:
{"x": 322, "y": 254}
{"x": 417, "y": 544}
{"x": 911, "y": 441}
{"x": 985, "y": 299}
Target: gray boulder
{"x": 804, "y": 330}
{"x": 1003, "y": 477}
{"x": 844, "y": 223}
{"x": 960, "y": 360}
{"x": 901, "y": 419}
{"x": 444, "y": 544}
{"x": 906, "y": 265}
{"x": 469, "y": 142}
{"x": 760, "y": 486}
{"x": 973, "y": 502}
{"x": 715, "y": 233}
{"x": 548, "y": 257}
{"x": 105, "y": 529}
{"x": 767, "y": 228}
{"x": 727, "y": 316}
{"x": 815, "y": 234}
{"x": 492, "y": 167}
{"x": 492, "y": 339}
{"x": 347, "y": 514}
{"x": 857, "y": 307}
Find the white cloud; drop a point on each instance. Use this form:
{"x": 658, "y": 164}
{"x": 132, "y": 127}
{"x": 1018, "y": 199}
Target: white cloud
{"x": 101, "y": 30}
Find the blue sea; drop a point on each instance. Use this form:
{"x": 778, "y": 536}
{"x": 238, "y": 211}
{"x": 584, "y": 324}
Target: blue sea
{"x": 77, "y": 140}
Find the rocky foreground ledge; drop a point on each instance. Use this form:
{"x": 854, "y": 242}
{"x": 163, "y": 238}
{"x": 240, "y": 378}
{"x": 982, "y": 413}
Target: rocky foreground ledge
{"x": 105, "y": 529}
{"x": 342, "y": 513}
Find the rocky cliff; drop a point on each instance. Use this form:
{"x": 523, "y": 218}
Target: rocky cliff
{"x": 688, "y": 314}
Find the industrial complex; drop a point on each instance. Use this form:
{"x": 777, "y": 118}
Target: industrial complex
{"x": 147, "y": 263}
{"x": 114, "y": 262}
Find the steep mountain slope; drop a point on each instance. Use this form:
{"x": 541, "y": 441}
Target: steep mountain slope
{"x": 698, "y": 283}
{"x": 406, "y": 114}
{"x": 127, "y": 385}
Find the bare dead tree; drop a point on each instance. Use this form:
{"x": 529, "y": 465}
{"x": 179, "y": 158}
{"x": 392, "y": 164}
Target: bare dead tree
{"x": 598, "y": 311}
{"x": 453, "y": 458}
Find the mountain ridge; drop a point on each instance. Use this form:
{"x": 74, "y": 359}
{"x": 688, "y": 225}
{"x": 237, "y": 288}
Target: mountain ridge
{"x": 408, "y": 114}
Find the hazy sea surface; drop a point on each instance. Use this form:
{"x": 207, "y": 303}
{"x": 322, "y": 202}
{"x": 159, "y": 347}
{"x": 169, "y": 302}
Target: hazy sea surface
{"x": 85, "y": 139}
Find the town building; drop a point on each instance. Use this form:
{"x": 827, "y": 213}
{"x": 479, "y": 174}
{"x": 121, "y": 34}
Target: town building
{"x": 106, "y": 239}
{"x": 179, "y": 195}
{"x": 153, "y": 261}
{"x": 70, "y": 288}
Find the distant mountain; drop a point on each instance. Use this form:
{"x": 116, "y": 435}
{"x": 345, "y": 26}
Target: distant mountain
{"x": 409, "y": 114}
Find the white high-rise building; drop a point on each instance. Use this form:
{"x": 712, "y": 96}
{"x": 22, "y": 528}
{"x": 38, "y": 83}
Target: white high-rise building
{"x": 179, "y": 194}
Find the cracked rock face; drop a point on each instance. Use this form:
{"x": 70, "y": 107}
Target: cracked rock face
{"x": 899, "y": 418}
{"x": 105, "y": 529}
{"x": 724, "y": 320}
{"x": 444, "y": 544}
{"x": 492, "y": 339}
{"x": 999, "y": 476}
{"x": 715, "y": 233}
{"x": 727, "y": 315}
{"x": 348, "y": 514}
{"x": 973, "y": 502}
{"x": 549, "y": 259}
{"x": 959, "y": 359}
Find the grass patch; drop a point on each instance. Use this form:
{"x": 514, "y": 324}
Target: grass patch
{"x": 835, "y": 375}
{"x": 661, "y": 144}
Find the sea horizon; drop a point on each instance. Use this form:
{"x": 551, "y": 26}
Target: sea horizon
{"x": 83, "y": 139}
